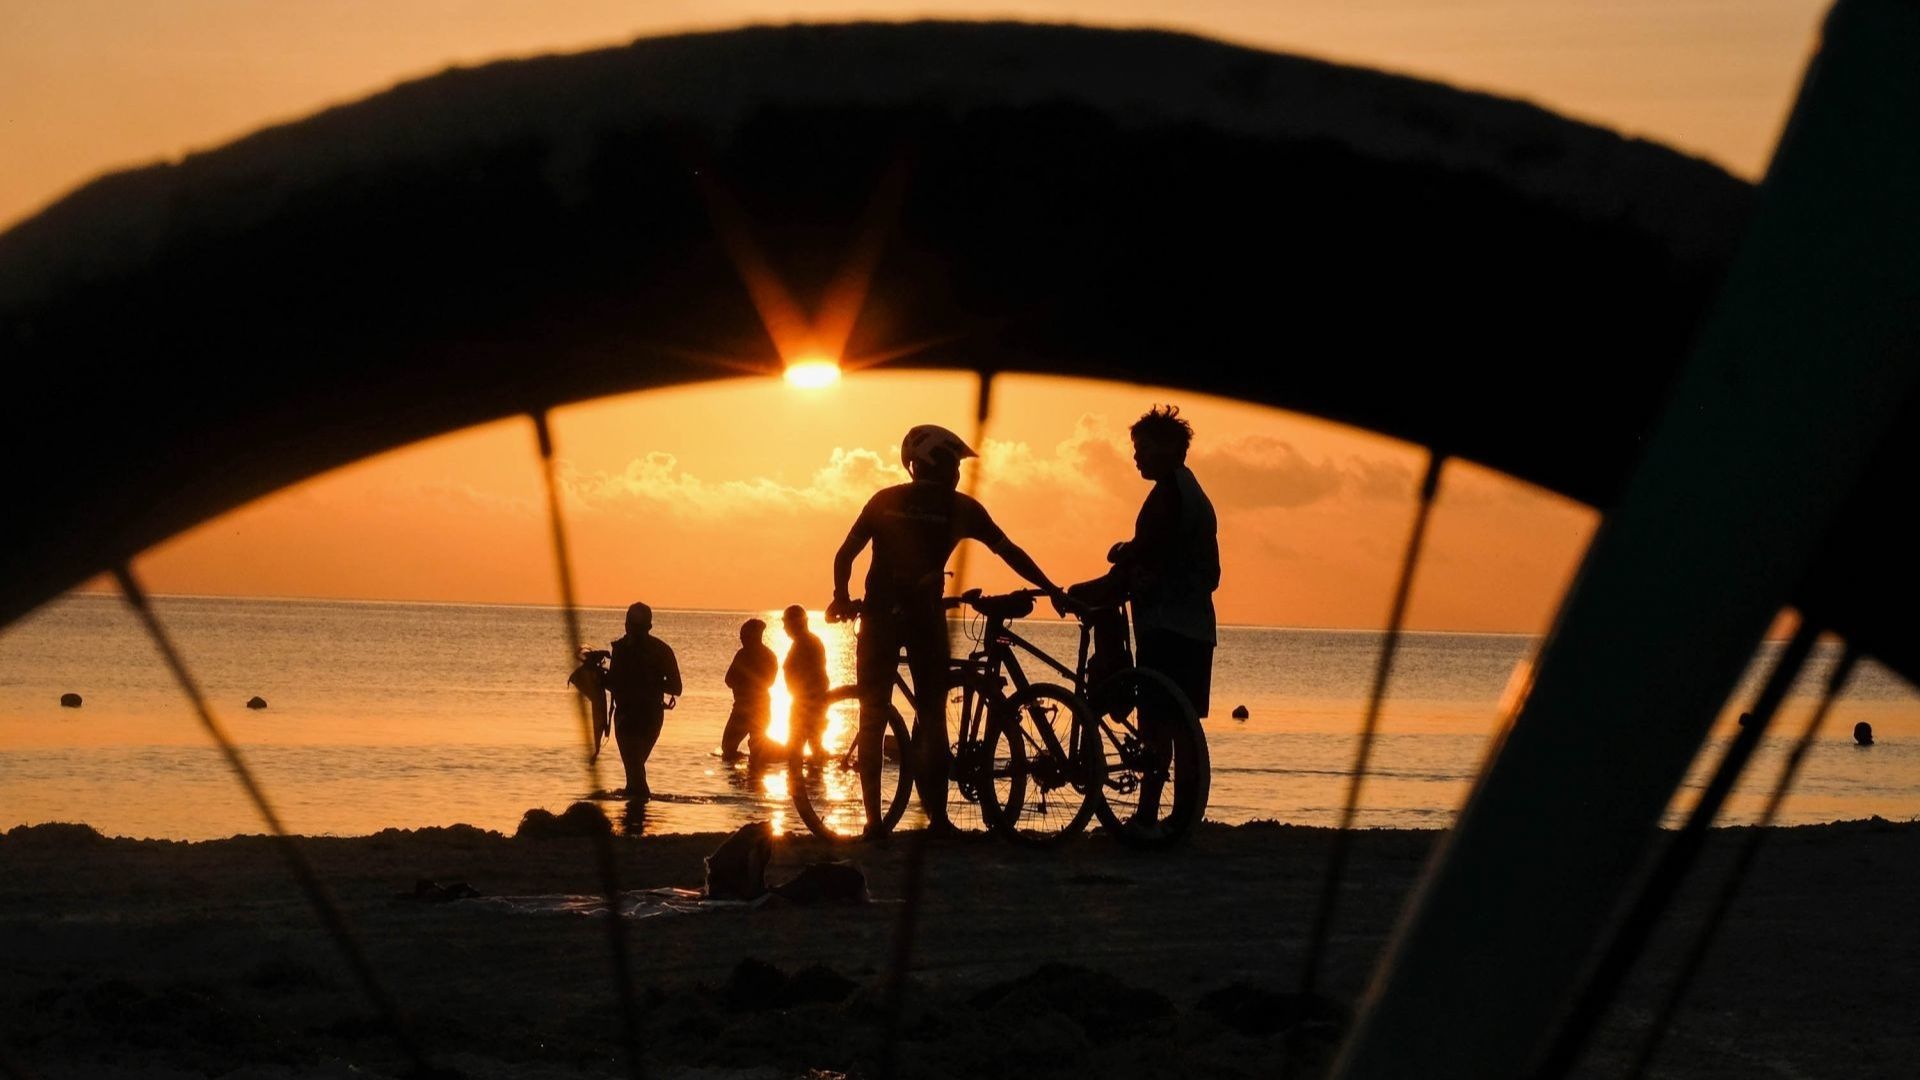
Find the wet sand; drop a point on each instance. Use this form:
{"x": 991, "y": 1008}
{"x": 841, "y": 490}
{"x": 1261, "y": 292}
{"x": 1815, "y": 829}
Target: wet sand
{"x": 124, "y": 958}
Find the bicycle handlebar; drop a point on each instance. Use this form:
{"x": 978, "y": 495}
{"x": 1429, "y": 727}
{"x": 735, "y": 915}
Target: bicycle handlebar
{"x": 973, "y": 598}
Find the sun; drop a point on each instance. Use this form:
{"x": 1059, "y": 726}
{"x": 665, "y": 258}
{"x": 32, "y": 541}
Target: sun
{"x": 813, "y": 373}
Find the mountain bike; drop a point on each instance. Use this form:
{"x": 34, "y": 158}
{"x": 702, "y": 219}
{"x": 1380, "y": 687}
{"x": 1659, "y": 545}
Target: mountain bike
{"x": 1046, "y": 774}
{"x": 825, "y": 786}
{"x": 1123, "y": 741}
{"x": 1136, "y": 739}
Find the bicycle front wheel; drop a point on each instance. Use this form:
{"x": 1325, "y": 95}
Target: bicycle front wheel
{"x": 1155, "y": 769}
{"x": 1042, "y": 732}
{"x": 825, "y": 782}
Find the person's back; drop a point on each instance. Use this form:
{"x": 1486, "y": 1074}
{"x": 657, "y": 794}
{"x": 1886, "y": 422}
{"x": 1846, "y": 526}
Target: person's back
{"x": 1173, "y": 562}
{"x": 806, "y": 667}
{"x": 755, "y": 665}
{"x": 641, "y": 672}
{"x": 915, "y": 528}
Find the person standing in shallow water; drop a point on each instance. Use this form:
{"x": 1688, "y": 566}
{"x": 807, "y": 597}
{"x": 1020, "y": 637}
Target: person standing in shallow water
{"x": 644, "y": 677}
{"x": 750, "y": 677}
{"x": 806, "y": 674}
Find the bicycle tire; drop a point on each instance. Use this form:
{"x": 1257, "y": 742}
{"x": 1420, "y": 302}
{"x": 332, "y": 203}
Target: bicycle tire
{"x": 826, "y": 794}
{"x": 1056, "y": 797}
{"x": 1128, "y": 766}
{"x": 978, "y": 782}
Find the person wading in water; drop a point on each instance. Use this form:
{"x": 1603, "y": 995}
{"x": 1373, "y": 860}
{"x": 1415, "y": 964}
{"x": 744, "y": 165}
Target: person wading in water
{"x": 750, "y": 677}
{"x": 806, "y": 675}
{"x": 644, "y": 677}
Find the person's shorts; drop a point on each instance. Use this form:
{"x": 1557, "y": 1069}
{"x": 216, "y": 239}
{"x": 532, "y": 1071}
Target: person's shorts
{"x": 923, "y": 633}
{"x": 1187, "y": 661}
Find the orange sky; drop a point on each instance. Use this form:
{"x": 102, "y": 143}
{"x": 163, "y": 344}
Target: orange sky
{"x": 671, "y": 503}
{"x": 735, "y": 495}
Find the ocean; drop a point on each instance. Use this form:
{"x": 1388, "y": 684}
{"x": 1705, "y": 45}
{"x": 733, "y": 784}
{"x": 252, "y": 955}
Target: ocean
{"x": 403, "y": 715}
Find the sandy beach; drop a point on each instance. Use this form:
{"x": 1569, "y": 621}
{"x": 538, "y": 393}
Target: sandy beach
{"x": 127, "y": 958}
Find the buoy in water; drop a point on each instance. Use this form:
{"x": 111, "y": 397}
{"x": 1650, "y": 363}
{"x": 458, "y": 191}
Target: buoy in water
{"x": 256, "y": 702}
{"x": 1240, "y": 712}
{"x": 1863, "y": 733}
{"x": 69, "y": 701}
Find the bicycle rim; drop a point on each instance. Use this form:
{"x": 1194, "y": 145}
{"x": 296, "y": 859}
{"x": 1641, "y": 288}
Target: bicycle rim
{"x": 1154, "y": 784}
{"x": 825, "y": 787}
{"x": 1041, "y": 732}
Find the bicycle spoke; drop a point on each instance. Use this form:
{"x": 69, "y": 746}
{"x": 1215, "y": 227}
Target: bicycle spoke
{"x": 1723, "y": 900}
{"x": 619, "y": 953}
{"x": 1337, "y": 857}
{"x": 332, "y": 918}
{"x": 1630, "y": 940}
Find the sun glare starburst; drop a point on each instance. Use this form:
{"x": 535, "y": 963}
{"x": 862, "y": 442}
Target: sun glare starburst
{"x": 813, "y": 373}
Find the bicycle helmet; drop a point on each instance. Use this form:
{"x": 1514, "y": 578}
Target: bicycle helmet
{"x": 931, "y": 444}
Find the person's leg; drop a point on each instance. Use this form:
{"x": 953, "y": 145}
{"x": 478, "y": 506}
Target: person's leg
{"x": 739, "y": 727}
{"x": 926, "y": 642}
{"x": 813, "y": 721}
{"x": 1156, "y": 720}
{"x": 626, "y": 736}
{"x": 1188, "y": 664}
{"x": 648, "y": 733}
{"x": 875, "y": 657}
{"x": 760, "y": 737}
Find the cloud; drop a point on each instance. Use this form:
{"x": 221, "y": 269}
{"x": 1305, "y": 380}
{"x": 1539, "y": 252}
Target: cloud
{"x": 1093, "y": 461}
{"x": 657, "y": 483}
{"x": 1090, "y": 469}
{"x": 1255, "y": 472}
{"x": 1258, "y": 472}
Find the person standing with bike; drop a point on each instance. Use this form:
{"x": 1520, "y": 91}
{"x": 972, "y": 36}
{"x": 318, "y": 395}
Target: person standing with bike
{"x": 1169, "y": 571}
{"x": 914, "y": 528}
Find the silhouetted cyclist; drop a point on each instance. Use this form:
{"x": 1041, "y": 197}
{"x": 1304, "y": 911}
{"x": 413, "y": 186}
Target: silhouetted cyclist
{"x": 914, "y": 528}
{"x": 1170, "y": 570}
{"x": 750, "y": 677}
{"x": 645, "y": 679}
{"x": 806, "y": 675}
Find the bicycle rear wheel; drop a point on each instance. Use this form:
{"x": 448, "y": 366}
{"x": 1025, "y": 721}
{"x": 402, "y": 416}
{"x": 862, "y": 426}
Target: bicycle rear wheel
{"x": 1155, "y": 771}
{"x": 1042, "y": 732}
{"x": 826, "y": 788}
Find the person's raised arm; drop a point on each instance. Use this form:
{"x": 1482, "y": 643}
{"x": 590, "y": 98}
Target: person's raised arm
{"x": 1016, "y": 557}
{"x": 979, "y": 525}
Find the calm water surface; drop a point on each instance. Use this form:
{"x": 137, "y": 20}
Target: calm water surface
{"x": 405, "y": 715}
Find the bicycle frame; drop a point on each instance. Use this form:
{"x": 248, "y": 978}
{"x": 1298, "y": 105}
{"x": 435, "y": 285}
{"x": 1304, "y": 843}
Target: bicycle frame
{"x": 999, "y": 656}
